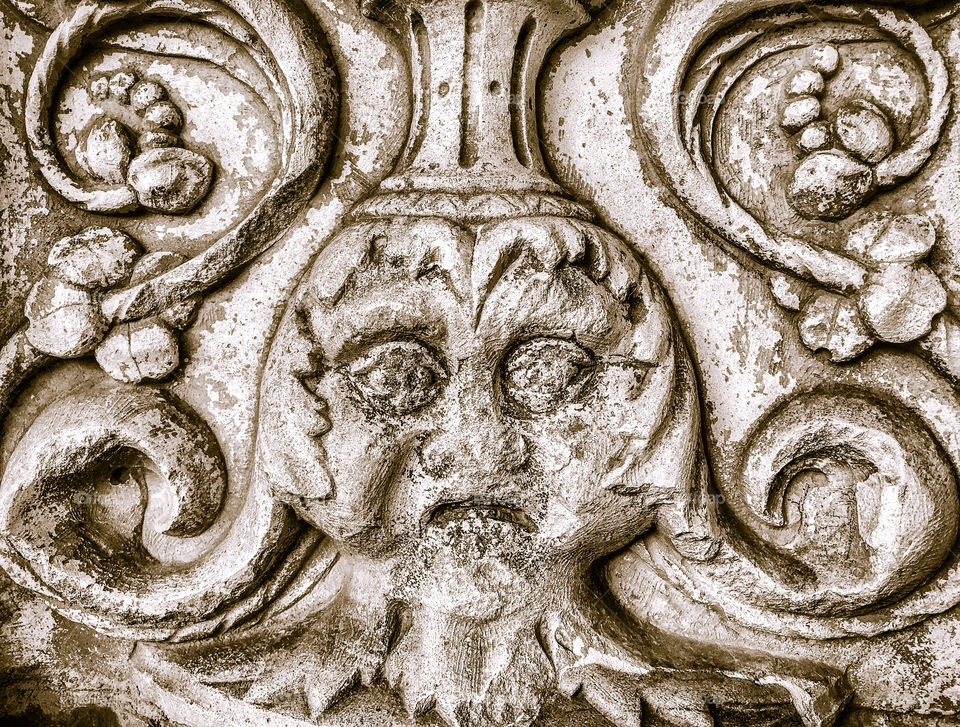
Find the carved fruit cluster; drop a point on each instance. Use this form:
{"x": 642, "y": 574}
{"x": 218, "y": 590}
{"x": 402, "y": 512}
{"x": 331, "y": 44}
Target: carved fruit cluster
{"x": 901, "y": 294}
{"x": 166, "y": 177}
{"x": 836, "y": 178}
{"x": 897, "y": 302}
{"x": 65, "y": 315}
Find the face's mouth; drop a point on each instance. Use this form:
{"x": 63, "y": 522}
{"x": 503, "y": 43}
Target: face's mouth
{"x": 449, "y": 512}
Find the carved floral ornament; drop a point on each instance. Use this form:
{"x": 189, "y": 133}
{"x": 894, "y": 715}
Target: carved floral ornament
{"x": 477, "y": 478}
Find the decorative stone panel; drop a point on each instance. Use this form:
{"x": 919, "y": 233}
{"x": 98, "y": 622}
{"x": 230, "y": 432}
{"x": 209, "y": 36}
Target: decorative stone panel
{"x": 479, "y": 363}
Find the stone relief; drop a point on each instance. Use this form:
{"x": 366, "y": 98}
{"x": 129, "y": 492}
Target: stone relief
{"x": 461, "y": 362}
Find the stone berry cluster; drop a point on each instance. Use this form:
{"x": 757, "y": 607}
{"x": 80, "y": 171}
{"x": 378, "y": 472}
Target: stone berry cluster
{"x": 837, "y": 177}
{"x": 901, "y": 295}
{"x": 166, "y": 177}
{"x": 897, "y": 302}
{"x": 65, "y": 315}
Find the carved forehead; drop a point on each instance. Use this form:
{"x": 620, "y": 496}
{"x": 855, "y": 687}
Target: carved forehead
{"x": 544, "y": 271}
{"x": 365, "y": 256}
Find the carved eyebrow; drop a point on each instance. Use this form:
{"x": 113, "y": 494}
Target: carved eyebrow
{"x": 431, "y": 266}
{"x": 561, "y": 312}
{"x": 372, "y": 337}
{"x": 355, "y": 324}
{"x": 366, "y": 254}
{"x": 575, "y": 245}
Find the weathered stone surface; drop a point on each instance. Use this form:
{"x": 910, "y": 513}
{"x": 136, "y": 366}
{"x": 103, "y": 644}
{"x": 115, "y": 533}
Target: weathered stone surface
{"x": 461, "y": 362}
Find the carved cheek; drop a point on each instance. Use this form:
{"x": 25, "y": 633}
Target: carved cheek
{"x": 595, "y": 438}
{"x": 571, "y": 452}
{"x": 364, "y": 452}
{"x": 572, "y": 485}
{"x": 357, "y": 441}
{"x": 557, "y": 456}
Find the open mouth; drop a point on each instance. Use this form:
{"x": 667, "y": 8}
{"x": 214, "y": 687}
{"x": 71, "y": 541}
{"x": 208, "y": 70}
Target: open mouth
{"x": 449, "y": 512}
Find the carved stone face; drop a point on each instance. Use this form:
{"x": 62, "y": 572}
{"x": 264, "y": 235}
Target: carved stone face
{"x": 475, "y": 416}
{"x": 510, "y": 389}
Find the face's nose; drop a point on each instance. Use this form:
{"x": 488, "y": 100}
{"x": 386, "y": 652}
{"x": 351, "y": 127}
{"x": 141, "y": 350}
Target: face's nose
{"x": 476, "y": 440}
{"x": 482, "y": 449}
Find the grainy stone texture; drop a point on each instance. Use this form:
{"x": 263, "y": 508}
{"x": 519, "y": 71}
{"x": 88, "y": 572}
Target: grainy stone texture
{"x": 485, "y": 363}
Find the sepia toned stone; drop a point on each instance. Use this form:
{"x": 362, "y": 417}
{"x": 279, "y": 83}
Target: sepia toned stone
{"x": 170, "y": 180}
{"x": 863, "y": 131}
{"x": 162, "y": 115}
{"x": 65, "y": 320}
{"x": 145, "y": 94}
{"x": 830, "y": 185}
{"x": 95, "y": 258}
{"x": 528, "y": 363}
{"x": 108, "y": 152}
{"x": 800, "y": 112}
{"x": 146, "y": 350}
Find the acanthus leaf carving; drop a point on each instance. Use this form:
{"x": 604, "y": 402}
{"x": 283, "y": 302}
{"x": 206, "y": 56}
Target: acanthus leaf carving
{"x": 287, "y": 52}
{"x": 413, "y": 408}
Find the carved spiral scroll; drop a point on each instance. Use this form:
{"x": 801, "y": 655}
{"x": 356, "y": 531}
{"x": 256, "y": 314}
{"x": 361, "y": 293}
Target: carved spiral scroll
{"x": 842, "y": 517}
{"x": 297, "y": 63}
{"x": 686, "y": 87}
{"x": 100, "y": 573}
{"x": 841, "y": 470}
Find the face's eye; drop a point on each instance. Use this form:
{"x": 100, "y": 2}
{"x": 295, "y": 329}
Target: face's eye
{"x": 541, "y": 374}
{"x": 398, "y": 377}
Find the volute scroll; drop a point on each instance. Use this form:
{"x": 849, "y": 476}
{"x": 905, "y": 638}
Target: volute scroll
{"x": 296, "y": 62}
{"x": 111, "y": 481}
{"x": 796, "y": 136}
{"x": 101, "y": 452}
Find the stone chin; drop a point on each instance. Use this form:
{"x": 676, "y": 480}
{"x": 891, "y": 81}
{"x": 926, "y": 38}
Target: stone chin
{"x": 483, "y": 673}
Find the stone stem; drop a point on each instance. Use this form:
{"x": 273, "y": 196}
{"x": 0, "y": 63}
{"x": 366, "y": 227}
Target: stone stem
{"x": 474, "y": 66}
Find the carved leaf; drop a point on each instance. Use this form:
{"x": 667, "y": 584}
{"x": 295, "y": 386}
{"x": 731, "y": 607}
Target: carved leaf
{"x": 97, "y": 258}
{"x": 65, "y": 320}
{"x": 888, "y": 238}
{"x": 145, "y": 350}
